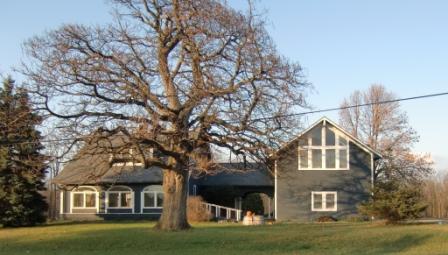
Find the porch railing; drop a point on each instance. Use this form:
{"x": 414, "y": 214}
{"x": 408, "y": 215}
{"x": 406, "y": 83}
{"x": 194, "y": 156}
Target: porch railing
{"x": 220, "y": 211}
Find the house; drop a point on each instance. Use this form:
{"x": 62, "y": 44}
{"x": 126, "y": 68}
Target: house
{"x": 323, "y": 171}
{"x": 99, "y": 185}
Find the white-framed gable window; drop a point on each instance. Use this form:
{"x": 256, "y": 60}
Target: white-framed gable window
{"x": 152, "y": 197}
{"x": 84, "y": 197}
{"x": 130, "y": 157}
{"x": 323, "y": 148}
{"x": 120, "y": 197}
{"x": 324, "y": 201}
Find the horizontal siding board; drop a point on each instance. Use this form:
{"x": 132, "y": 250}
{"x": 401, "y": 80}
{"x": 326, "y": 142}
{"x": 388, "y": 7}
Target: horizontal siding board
{"x": 295, "y": 186}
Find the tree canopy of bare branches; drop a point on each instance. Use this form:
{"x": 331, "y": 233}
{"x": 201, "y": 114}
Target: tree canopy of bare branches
{"x": 385, "y": 127}
{"x": 179, "y": 76}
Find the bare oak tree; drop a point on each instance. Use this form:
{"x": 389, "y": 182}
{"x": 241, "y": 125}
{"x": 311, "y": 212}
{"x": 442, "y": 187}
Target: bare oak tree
{"x": 385, "y": 127}
{"x": 179, "y": 76}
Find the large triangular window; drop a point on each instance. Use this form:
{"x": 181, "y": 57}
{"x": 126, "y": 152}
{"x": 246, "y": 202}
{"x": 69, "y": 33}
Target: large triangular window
{"x": 324, "y": 148}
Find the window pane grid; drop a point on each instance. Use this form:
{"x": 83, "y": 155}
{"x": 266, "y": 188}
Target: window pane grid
{"x": 78, "y": 200}
{"x": 119, "y": 199}
{"x": 324, "y": 201}
{"x": 152, "y": 199}
{"x": 84, "y": 199}
{"x": 329, "y": 151}
{"x": 90, "y": 200}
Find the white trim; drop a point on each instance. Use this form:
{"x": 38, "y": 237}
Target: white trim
{"x": 106, "y": 202}
{"x": 372, "y": 170}
{"x": 141, "y": 201}
{"x": 133, "y": 201}
{"x": 275, "y": 189}
{"x": 155, "y": 192}
{"x": 355, "y": 140}
{"x": 323, "y": 147}
{"x": 84, "y": 193}
{"x": 130, "y": 191}
{"x": 127, "y": 164}
{"x": 61, "y": 202}
{"x": 324, "y": 201}
{"x": 112, "y": 213}
{"x": 98, "y": 202}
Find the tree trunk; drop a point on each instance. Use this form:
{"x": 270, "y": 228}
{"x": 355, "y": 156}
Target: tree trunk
{"x": 175, "y": 189}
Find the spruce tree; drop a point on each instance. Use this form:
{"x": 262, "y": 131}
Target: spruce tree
{"x": 22, "y": 166}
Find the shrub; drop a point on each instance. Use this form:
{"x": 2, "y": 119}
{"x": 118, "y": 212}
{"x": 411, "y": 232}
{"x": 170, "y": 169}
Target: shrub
{"x": 196, "y": 211}
{"x": 394, "y": 202}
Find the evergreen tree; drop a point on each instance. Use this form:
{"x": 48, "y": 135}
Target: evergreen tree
{"x": 394, "y": 201}
{"x": 22, "y": 167}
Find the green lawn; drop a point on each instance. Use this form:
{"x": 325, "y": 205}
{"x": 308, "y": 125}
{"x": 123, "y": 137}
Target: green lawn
{"x": 130, "y": 238}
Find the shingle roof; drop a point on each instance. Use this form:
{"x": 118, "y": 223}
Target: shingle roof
{"x": 238, "y": 174}
{"x": 92, "y": 165}
{"x": 95, "y": 169}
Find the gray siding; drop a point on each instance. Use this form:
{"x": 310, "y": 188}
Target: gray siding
{"x": 294, "y": 186}
{"x": 112, "y": 213}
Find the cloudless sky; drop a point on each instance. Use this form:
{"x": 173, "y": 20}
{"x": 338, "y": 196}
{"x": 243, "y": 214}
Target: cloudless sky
{"x": 342, "y": 46}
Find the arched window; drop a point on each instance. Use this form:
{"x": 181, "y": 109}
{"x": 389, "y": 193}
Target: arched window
{"x": 152, "y": 196}
{"x": 119, "y": 197}
{"x": 84, "y": 197}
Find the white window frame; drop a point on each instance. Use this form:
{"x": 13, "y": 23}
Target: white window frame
{"x": 155, "y": 192}
{"x": 129, "y": 191}
{"x": 130, "y": 163}
{"x": 309, "y": 148}
{"x": 324, "y": 201}
{"x": 84, "y": 193}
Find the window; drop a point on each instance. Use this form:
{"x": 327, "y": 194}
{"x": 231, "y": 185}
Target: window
{"x": 119, "y": 197}
{"x": 152, "y": 196}
{"x": 323, "y": 148}
{"x": 324, "y": 201}
{"x": 84, "y": 198}
{"x": 130, "y": 157}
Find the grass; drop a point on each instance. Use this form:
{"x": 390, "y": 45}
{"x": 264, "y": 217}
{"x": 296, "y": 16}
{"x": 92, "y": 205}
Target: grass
{"x": 139, "y": 238}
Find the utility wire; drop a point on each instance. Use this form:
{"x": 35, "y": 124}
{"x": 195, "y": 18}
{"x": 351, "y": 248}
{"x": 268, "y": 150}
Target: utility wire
{"x": 354, "y": 106}
{"x": 286, "y": 115}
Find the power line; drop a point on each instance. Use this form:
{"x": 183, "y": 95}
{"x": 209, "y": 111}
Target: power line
{"x": 287, "y": 115}
{"x": 354, "y": 106}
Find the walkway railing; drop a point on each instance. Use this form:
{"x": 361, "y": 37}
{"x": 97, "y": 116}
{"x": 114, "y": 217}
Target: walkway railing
{"x": 223, "y": 212}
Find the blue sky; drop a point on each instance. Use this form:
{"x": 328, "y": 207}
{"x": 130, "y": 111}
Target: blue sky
{"x": 342, "y": 46}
